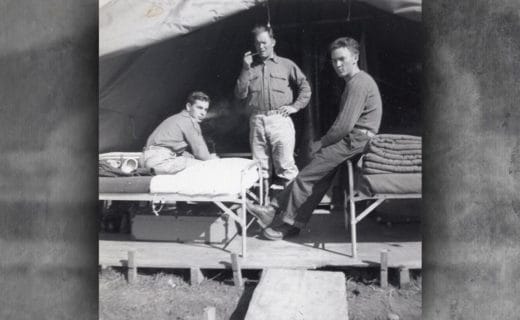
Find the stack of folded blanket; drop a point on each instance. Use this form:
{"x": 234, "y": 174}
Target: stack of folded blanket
{"x": 392, "y": 153}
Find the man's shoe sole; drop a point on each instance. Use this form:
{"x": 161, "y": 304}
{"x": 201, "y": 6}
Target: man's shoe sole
{"x": 268, "y": 237}
{"x": 289, "y": 235}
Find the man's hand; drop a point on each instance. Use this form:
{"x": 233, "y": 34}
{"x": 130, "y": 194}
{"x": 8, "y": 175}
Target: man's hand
{"x": 248, "y": 59}
{"x": 213, "y": 156}
{"x": 287, "y": 110}
{"x": 315, "y": 147}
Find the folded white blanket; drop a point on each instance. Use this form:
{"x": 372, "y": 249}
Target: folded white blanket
{"x": 208, "y": 178}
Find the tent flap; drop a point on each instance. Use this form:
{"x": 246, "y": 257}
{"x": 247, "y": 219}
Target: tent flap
{"x": 410, "y": 9}
{"x": 132, "y": 24}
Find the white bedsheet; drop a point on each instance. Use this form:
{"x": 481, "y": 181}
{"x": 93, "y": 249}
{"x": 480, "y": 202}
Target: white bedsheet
{"x": 211, "y": 178}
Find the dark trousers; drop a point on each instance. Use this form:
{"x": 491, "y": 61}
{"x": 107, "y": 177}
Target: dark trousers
{"x": 299, "y": 199}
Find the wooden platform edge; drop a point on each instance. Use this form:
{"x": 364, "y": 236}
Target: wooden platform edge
{"x": 243, "y": 266}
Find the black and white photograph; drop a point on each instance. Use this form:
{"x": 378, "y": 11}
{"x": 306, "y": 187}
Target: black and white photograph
{"x": 259, "y": 159}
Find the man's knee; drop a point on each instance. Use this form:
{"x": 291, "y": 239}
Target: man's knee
{"x": 287, "y": 172}
{"x": 166, "y": 166}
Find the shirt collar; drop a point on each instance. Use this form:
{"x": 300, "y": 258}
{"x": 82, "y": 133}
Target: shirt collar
{"x": 185, "y": 113}
{"x": 274, "y": 58}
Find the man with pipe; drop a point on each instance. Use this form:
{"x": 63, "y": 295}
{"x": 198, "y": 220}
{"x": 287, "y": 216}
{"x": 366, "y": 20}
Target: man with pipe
{"x": 267, "y": 82}
{"x": 358, "y": 120}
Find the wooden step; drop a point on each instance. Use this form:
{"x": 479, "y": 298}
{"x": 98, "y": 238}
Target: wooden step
{"x": 299, "y": 294}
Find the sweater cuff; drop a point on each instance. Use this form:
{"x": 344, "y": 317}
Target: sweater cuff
{"x": 297, "y": 106}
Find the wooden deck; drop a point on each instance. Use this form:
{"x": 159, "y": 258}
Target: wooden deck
{"x": 323, "y": 244}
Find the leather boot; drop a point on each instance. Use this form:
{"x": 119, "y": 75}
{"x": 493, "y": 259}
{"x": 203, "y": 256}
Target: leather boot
{"x": 264, "y": 214}
{"x": 281, "y": 232}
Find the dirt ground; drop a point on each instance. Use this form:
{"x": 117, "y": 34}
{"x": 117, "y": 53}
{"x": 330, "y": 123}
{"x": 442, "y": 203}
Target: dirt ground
{"x": 367, "y": 300}
{"x": 160, "y": 295}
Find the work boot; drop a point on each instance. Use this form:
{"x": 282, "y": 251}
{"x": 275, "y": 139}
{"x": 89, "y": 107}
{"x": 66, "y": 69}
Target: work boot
{"x": 281, "y": 232}
{"x": 264, "y": 214}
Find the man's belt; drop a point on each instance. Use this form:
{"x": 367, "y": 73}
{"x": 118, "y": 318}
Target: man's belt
{"x": 266, "y": 112}
{"x": 367, "y": 132}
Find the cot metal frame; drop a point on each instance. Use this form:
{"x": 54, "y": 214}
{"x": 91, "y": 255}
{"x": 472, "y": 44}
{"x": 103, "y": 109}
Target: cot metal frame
{"x": 349, "y": 207}
{"x": 234, "y": 206}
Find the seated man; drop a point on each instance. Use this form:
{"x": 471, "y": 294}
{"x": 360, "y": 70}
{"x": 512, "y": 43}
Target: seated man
{"x": 358, "y": 120}
{"x": 177, "y": 142}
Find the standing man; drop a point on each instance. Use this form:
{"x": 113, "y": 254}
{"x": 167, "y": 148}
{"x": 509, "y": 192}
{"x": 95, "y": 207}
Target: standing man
{"x": 177, "y": 142}
{"x": 268, "y": 81}
{"x": 358, "y": 120}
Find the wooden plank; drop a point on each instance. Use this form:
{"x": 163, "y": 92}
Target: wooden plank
{"x": 299, "y": 294}
{"x": 384, "y": 269}
{"x": 276, "y": 295}
{"x": 262, "y": 255}
{"x": 402, "y": 241}
{"x": 237, "y": 272}
{"x": 328, "y": 291}
{"x": 404, "y": 277}
{"x": 196, "y": 276}
{"x": 132, "y": 267}
{"x": 209, "y": 313}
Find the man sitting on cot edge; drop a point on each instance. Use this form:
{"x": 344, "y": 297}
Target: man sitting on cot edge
{"x": 177, "y": 142}
{"x": 358, "y": 120}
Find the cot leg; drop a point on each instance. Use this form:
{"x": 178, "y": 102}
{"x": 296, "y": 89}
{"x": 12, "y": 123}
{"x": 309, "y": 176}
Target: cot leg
{"x": 243, "y": 214}
{"x": 261, "y": 188}
{"x": 352, "y": 208}
{"x": 266, "y": 191}
{"x": 346, "y": 203}
{"x": 353, "y": 228}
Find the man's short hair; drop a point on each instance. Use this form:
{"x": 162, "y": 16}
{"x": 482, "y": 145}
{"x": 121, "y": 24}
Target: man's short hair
{"x": 197, "y": 95}
{"x": 345, "y": 42}
{"x": 262, "y": 28}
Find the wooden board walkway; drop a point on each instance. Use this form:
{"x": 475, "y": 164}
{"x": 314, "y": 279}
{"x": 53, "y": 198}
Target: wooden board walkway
{"x": 299, "y": 294}
{"x": 324, "y": 244}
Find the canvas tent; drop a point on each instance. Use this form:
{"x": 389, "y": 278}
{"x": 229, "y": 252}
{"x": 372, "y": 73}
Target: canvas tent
{"x": 152, "y": 54}
{"x": 128, "y": 25}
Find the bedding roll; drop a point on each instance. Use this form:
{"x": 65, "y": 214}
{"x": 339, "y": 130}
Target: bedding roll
{"x": 393, "y": 153}
{"x": 416, "y": 146}
{"x": 371, "y": 157}
{"x": 388, "y": 154}
{"x": 385, "y": 168}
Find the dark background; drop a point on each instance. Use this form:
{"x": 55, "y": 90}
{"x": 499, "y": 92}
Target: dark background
{"x": 49, "y": 147}
{"x": 140, "y": 88}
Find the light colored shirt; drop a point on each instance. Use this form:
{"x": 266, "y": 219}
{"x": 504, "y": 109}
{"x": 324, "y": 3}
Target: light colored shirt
{"x": 179, "y": 133}
{"x": 268, "y": 85}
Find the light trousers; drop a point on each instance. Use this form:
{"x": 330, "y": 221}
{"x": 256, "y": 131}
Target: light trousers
{"x": 272, "y": 140}
{"x": 164, "y": 161}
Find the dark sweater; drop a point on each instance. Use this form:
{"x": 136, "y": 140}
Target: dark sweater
{"x": 360, "y": 107}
